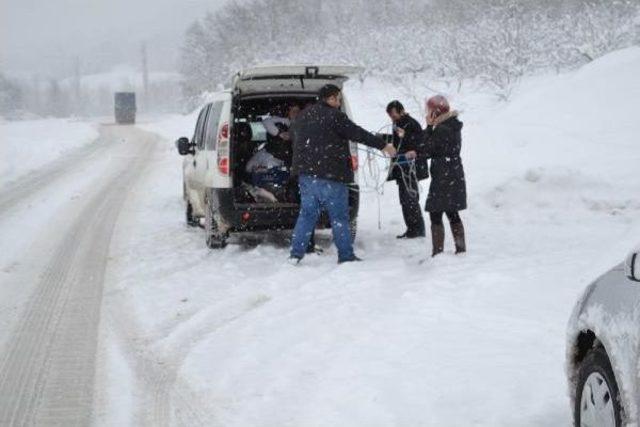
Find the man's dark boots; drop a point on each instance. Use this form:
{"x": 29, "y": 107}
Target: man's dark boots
{"x": 352, "y": 259}
{"x": 410, "y": 234}
{"x": 437, "y": 238}
{"x": 413, "y": 220}
{"x": 457, "y": 230}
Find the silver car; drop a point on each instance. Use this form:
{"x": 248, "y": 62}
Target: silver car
{"x": 603, "y": 352}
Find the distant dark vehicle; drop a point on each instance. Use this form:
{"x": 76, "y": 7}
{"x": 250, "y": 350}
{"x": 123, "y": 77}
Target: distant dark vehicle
{"x": 125, "y": 107}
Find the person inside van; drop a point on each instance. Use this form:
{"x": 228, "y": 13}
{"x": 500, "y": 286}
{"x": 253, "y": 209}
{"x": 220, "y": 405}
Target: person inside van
{"x": 278, "y": 139}
{"x": 268, "y": 168}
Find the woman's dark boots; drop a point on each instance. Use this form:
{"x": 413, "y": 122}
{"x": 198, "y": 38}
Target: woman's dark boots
{"x": 457, "y": 229}
{"x": 437, "y": 238}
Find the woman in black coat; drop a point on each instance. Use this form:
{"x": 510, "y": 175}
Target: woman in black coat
{"x": 441, "y": 143}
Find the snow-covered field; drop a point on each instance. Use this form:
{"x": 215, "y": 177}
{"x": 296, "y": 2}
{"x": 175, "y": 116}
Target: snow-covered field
{"x": 30, "y": 144}
{"x": 239, "y": 337}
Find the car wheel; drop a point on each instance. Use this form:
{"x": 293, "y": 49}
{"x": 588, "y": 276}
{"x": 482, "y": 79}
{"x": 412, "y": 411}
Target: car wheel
{"x": 192, "y": 221}
{"x": 214, "y": 238}
{"x": 597, "y": 396}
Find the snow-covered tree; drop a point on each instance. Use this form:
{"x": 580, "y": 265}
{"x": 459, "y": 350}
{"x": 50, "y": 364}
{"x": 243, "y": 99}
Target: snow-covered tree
{"x": 495, "y": 41}
{"x": 11, "y": 96}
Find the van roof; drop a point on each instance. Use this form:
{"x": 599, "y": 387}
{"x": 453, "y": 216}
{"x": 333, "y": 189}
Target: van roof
{"x": 304, "y": 70}
{"x": 288, "y": 78}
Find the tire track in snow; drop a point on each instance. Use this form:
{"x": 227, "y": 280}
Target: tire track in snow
{"x": 169, "y": 399}
{"x": 47, "y": 371}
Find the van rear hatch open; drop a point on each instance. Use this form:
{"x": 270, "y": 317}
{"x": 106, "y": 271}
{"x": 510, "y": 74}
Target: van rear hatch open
{"x": 291, "y": 78}
{"x": 259, "y": 92}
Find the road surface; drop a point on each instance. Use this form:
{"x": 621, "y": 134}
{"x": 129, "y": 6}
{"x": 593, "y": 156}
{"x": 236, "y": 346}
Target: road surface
{"x": 58, "y": 224}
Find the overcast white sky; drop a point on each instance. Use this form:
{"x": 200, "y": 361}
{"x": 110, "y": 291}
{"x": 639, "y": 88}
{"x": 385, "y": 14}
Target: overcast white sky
{"x": 43, "y": 37}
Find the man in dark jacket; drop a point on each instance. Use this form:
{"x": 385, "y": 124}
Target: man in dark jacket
{"x": 322, "y": 161}
{"x": 407, "y": 173}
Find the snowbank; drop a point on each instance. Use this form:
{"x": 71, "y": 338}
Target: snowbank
{"x": 585, "y": 122}
{"x": 471, "y": 340}
{"x": 31, "y": 144}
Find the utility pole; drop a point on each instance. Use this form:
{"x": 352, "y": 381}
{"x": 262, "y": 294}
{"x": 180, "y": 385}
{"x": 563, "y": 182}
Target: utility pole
{"x": 76, "y": 86}
{"x": 145, "y": 73}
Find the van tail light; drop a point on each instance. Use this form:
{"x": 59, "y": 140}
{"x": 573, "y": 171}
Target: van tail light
{"x": 223, "y": 150}
{"x": 224, "y": 132}
{"x": 223, "y": 165}
{"x": 354, "y": 162}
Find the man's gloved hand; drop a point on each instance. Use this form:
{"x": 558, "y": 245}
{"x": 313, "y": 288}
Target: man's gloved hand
{"x": 390, "y": 150}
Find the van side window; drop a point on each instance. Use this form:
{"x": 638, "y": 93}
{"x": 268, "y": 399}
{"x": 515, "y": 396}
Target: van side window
{"x": 197, "y": 136}
{"x": 211, "y": 130}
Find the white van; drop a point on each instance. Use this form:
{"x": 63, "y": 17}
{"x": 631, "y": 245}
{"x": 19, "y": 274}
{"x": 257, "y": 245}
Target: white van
{"x": 229, "y": 131}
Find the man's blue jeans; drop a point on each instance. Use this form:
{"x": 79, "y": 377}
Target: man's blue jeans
{"x": 318, "y": 194}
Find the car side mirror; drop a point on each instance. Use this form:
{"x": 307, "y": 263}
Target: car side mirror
{"x": 184, "y": 146}
{"x": 632, "y": 266}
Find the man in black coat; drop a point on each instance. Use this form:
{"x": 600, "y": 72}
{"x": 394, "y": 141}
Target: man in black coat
{"x": 408, "y": 173}
{"x": 322, "y": 161}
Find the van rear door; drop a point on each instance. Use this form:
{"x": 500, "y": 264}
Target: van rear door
{"x": 291, "y": 78}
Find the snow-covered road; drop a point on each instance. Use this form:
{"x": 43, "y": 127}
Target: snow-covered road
{"x": 238, "y": 337}
{"x": 99, "y": 272}
{"x": 57, "y": 272}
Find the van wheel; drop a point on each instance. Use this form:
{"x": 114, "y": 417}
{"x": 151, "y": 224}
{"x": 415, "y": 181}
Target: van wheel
{"x": 353, "y": 227}
{"x": 192, "y": 221}
{"x": 214, "y": 238}
{"x": 597, "y": 395}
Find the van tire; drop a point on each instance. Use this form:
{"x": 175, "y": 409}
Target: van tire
{"x": 214, "y": 238}
{"x": 192, "y": 221}
{"x": 353, "y": 227}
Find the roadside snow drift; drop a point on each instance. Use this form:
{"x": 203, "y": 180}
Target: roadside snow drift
{"x": 30, "y": 144}
{"x": 238, "y": 337}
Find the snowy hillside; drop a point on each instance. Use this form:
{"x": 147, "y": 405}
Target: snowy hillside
{"x": 238, "y": 337}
